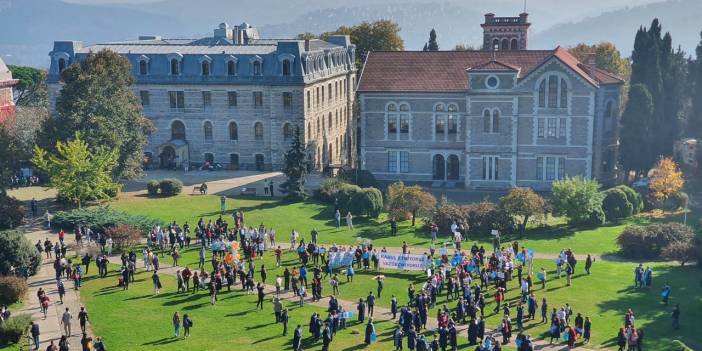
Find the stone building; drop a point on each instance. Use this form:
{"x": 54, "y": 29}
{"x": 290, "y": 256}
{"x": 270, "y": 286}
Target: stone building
{"x": 7, "y": 103}
{"x": 235, "y": 99}
{"x": 495, "y": 118}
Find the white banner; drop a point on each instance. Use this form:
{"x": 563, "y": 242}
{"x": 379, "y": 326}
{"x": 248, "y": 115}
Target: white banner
{"x": 340, "y": 259}
{"x": 404, "y": 262}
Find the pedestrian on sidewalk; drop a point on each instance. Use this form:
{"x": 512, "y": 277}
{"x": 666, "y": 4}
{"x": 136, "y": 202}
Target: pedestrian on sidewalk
{"x": 45, "y": 301}
{"x": 61, "y": 290}
{"x": 66, "y": 319}
{"x": 34, "y": 331}
{"x": 63, "y": 344}
{"x": 82, "y": 318}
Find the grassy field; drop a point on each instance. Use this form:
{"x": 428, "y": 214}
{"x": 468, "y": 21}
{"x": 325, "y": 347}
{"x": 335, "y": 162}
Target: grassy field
{"x": 303, "y": 217}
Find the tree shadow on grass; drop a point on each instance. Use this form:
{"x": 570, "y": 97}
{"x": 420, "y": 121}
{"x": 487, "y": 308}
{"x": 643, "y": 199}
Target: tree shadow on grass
{"x": 653, "y": 316}
{"x": 163, "y": 341}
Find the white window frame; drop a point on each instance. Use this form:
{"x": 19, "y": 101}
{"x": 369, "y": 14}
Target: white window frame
{"x": 490, "y": 167}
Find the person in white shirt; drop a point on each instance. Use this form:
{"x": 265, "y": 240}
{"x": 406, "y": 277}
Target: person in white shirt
{"x": 66, "y": 322}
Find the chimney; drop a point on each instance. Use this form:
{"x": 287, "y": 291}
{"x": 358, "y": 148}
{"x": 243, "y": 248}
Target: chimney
{"x": 489, "y": 17}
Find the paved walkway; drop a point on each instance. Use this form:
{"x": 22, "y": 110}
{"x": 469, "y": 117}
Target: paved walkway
{"x": 50, "y": 327}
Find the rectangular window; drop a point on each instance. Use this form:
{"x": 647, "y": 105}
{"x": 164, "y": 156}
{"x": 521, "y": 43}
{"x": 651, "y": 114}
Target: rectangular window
{"x": 551, "y": 128}
{"x": 440, "y": 127}
{"x": 232, "y": 98}
{"x": 491, "y": 165}
{"x": 392, "y": 124}
{"x": 404, "y": 123}
{"x": 561, "y": 167}
{"x": 404, "y": 161}
{"x": 540, "y": 128}
{"x": 316, "y": 96}
{"x": 539, "y": 168}
{"x": 207, "y": 99}
{"x": 452, "y": 124}
{"x": 309, "y": 102}
{"x": 562, "y": 127}
{"x": 551, "y": 168}
{"x": 258, "y": 98}
{"x": 145, "y": 98}
{"x": 177, "y": 100}
{"x": 322, "y": 98}
{"x": 392, "y": 161}
{"x": 287, "y": 100}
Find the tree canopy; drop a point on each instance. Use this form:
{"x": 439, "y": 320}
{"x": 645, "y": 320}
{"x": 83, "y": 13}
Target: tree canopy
{"x": 78, "y": 172}
{"x": 31, "y": 90}
{"x": 635, "y": 153}
{"x": 432, "y": 45}
{"x": 97, "y": 100}
{"x": 606, "y": 56}
{"x": 577, "y": 198}
{"x": 8, "y": 159}
{"x": 523, "y": 202}
{"x": 666, "y": 179}
{"x": 412, "y": 200}
{"x": 295, "y": 168}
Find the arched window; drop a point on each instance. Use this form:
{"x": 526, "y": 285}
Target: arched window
{"x": 175, "y": 67}
{"x": 177, "y": 130}
{"x": 61, "y": 65}
{"x": 259, "y": 162}
{"x": 609, "y": 120}
{"x": 496, "y": 44}
{"x": 495, "y": 121}
{"x": 207, "y": 129}
{"x": 553, "y": 92}
{"x": 487, "y": 121}
{"x": 257, "y": 71}
{"x": 287, "y": 68}
{"x": 439, "y": 168}
{"x": 143, "y": 67}
{"x": 505, "y": 44}
{"x": 258, "y": 131}
{"x": 514, "y": 45}
{"x": 231, "y": 68}
{"x": 452, "y": 168}
{"x": 287, "y": 131}
{"x": 205, "y": 68}
{"x": 233, "y": 131}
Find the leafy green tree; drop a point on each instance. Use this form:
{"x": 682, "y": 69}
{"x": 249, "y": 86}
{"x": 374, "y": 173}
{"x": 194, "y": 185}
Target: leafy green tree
{"x": 607, "y": 57}
{"x": 694, "y": 124}
{"x": 77, "y": 172}
{"x": 410, "y": 200}
{"x": 464, "y": 47}
{"x": 637, "y": 126}
{"x": 432, "y": 45}
{"x": 31, "y": 90}
{"x": 577, "y": 198}
{"x": 97, "y": 100}
{"x": 8, "y": 159}
{"x": 16, "y": 251}
{"x": 523, "y": 202}
{"x": 295, "y": 168}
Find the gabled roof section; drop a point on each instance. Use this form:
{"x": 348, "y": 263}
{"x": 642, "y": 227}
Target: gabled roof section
{"x": 494, "y": 66}
{"x": 444, "y": 71}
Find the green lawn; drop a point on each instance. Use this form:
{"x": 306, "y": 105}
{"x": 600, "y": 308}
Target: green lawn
{"x": 303, "y": 217}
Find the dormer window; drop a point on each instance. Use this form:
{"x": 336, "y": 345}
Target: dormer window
{"x": 287, "y": 68}
{"x": 175, "y": 67}
{"x": 61, "y": 65}
{"x": 257, "y": 69}
{"x": 205, "y": 68}
{"x": 143, "y": 68}
{"x": 231, "y": 68}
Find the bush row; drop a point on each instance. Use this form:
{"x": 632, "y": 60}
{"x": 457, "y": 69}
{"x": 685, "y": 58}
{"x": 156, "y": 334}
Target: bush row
{"x": 12, "y": 330}
{"x": 165, "y": 187}
{"x": 349, "y": 197}
{"x": 101, "y": 218}
{"x": 480, "y": 217}
{"x": 672, "y": 241}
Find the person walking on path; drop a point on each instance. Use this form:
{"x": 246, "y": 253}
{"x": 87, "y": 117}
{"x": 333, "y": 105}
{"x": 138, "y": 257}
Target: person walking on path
{"x": 157, "y": 283}
{"x": 66, "y": 319}
{"x": 82, "y": 318}
{"x": 349, "y": 220}
{"x": 34, "y": 332}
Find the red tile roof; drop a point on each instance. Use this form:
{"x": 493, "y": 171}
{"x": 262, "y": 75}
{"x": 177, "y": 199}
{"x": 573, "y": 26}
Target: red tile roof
{"x": 494, "y": 65}
{"x": 445, "y": 71}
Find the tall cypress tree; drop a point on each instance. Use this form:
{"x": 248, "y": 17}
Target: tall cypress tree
{"x": 295, "y": 168}
{"x": 694, "y": 124}
{"x": 635, "y": 151}
{"x": 432, "y": 45}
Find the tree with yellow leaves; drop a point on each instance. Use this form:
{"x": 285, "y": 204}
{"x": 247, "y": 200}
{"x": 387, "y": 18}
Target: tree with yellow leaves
{"x": 666, "y": 179}
{"x": 412, "y": 200}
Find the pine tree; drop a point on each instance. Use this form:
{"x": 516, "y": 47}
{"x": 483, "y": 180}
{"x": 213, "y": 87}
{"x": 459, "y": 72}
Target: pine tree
{"x": 432, "y": 45}
{"x": 426, "y": 47}
{"x": 295, "y": 169}
{"x": 637, "y": 120}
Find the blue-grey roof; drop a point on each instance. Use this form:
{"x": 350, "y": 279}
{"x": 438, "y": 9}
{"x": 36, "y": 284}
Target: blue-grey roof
{"x": 151, "y": 49}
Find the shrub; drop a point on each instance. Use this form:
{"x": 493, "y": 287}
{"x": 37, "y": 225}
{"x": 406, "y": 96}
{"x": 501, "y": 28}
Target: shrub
{"x": 125, "y": 236}
{"x": 596, "y": 218}
{"x": 101, "y": 218}
{"x": 634, "y": 198}
{"x": 362, "y": 177}
{"x": 152, "y": 187}
{"x": 680, "y": 199}
{"x": 485, "y": 216}
{"x": 328, "y": 189}
{"x": 576, "y": 198}
{"x": 409, "y": 201}
{"x": 12, "y": 212}
{"x": 369, "y": 201}
{"x": 14, "y": 328}
{"x": 616, "y": 205}
{"x": 12, "y": 289}
{"x": 346, "y": 193}
{"x": 170, "y": 186}
{"x": 648, "y": 242}
{"x": 523, "y": 202}
{"x": 446, "y": 213}
{"x": 680, "y": 251}
{"x": 16, "y": 251}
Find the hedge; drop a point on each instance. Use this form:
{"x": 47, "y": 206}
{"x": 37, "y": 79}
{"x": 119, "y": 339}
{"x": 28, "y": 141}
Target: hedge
{"x": 634, "y": 198}
{"x": 100, "y": 218}
{"x": 16, "y": 251}
{"x": 369, "y": 202}
{"x": 616, "y": 204}
{"x": 649, "y": 241}
{"x": 14, "y": 328}
{"x": 170, "y": 186}
{"x": 12, "y": 289}
{"x": 152, "y": 187}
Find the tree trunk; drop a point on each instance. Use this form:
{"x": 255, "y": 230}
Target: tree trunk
{"x": 523, "y": 228}
{"x": 414, "y": 215}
